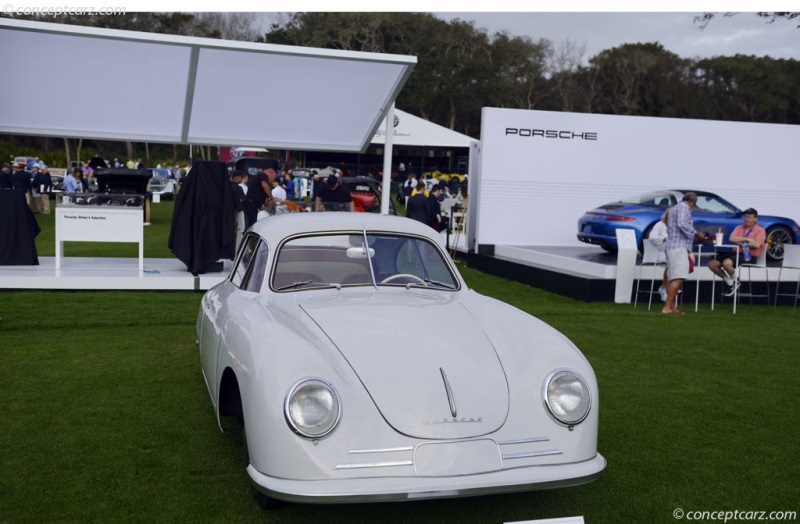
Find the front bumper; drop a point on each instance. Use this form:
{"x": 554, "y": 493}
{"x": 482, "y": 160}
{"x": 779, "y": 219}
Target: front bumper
{"x": 383, "y": 489}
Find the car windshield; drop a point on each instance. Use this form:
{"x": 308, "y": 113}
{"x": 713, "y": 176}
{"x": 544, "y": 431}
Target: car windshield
{"x": 355, "y": 259}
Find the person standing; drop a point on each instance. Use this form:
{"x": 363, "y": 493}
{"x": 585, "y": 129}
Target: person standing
{"x": 658, "y": 237}
{"x": 259, "y": 194}
{"x": 22, "y": 181}
{"x": 435, "y": 207}
{"x": 333, "y": 192}
{"x": 237, "y": 194}
{"x": 6, "y": 178}
{"x": 418, "y": 208}
{"x": 45, "y": 187}
{"x": 680, "y": 237}
{"x": 278, "y": 192}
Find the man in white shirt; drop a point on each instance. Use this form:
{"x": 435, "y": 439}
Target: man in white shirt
{"x": 278, "y": 193}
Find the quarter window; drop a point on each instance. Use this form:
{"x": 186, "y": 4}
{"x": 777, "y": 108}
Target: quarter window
{"x": 248, "y": 274}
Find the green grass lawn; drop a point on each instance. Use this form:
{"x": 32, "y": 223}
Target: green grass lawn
{"x": 105, "y": 417}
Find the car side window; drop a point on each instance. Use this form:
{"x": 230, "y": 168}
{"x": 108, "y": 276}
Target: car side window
{"x": 246, "y": 253}
{"x": 258, "y": 268}
{"x": 711, "y": 204}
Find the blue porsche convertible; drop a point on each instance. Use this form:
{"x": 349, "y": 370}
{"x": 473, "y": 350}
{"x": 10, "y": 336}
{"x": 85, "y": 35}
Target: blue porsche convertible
{"x": 711, "y": 214}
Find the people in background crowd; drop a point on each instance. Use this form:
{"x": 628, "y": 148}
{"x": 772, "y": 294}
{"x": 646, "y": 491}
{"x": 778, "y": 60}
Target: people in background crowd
{"x": 22, "y": 181}
{"x": 238, "y": 205}
{"x": 43, "y": 183}
{"x": 436, "y": 208}
{"x": 259, "y": 194}
{"x": 96, "y": 163}
{"x": 418, "y": 208}
{"x": 130, "y": 164}
{"x": 6, "y": 178}
{"x": 333, "y": 192}
{"x": 420, "y": 186}
{"x": 278, "y": 192}
{"x": 71, "y": 182}
{"x": 288, "y": 185}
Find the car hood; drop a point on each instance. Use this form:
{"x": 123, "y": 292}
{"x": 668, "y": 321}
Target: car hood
{"x": 408, "y": 349}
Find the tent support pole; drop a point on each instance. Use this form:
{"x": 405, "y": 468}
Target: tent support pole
{"x": 386, "y": 190}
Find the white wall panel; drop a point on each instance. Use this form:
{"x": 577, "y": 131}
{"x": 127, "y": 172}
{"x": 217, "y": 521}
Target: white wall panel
{"x": 534, "y": 188}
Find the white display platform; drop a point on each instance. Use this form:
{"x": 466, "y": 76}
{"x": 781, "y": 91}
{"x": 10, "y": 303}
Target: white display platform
{"x": 86, "y": 273}
{"x": 98, "y": 224}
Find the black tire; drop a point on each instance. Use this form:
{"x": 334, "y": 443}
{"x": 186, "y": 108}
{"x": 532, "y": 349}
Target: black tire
{"x": 265, "y": 502}
{"x": 777, "y": 236}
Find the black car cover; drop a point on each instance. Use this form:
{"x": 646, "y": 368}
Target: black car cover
{"x": 18, "y": 230}
{"x": 203, "y": 228}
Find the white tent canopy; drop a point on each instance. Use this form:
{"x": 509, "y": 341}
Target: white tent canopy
{"x": 410, "y": 130}
{"x": 162, "y": 88}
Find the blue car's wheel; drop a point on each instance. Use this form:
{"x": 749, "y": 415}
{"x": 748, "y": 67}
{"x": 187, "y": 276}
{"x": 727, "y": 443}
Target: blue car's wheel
{"x": 776, "y": 237}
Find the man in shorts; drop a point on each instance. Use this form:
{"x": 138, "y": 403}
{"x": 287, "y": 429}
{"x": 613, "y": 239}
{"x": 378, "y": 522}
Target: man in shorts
{"x": 723, "y": 265}
{"x": 680, "y": 237}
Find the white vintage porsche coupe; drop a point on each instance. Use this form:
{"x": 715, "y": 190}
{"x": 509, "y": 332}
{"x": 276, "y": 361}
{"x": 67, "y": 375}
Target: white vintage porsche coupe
{"x": 362, "y": 368}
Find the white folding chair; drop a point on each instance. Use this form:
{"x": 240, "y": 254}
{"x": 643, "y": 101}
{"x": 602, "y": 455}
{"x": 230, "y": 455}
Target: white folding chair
{"x": 649, "y": 259}
{"x": 791, "y": 260}
{"x": 759, "y": 263}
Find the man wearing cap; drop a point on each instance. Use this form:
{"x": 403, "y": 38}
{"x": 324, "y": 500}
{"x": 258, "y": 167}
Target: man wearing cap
{"x": 334, "y": 193}
{"x": 748, "y": 233}
{"x": 680, "y": 237}
{"x": 6, "y": 178}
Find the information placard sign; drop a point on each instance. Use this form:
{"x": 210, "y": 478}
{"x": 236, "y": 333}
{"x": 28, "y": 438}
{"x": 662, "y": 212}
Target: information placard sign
{"x": 98, "y": 224}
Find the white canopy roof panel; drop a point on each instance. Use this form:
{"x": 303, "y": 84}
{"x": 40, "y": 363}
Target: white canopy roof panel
{"x": 410, "y": 130}
{"x": 127, "y": 85}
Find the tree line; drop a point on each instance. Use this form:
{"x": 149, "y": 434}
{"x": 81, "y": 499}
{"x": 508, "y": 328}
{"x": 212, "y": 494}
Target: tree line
{"x": 461, "y": 68}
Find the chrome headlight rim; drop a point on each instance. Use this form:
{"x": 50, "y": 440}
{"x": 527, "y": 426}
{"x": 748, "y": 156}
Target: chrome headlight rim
{"x": 288, "y": 403}
{"x": 546, "y": 397}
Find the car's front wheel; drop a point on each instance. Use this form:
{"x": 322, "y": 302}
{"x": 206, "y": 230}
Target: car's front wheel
{"x": 777, "y": 236}
{"x": 264, "y": 502}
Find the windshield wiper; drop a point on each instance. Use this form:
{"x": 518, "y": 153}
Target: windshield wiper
{"x": 306, "y": 282}
{"x": 429, "y": 281}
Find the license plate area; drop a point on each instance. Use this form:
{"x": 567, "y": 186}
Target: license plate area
{"x": 457, "y": 458}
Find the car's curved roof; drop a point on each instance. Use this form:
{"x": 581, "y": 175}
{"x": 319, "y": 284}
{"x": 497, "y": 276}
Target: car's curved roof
{"x": 277, "y": 227}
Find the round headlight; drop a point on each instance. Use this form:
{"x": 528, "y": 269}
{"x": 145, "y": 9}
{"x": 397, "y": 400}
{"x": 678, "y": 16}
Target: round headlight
{"x": 312, "y": 408}
{"x": 567, "y": 396}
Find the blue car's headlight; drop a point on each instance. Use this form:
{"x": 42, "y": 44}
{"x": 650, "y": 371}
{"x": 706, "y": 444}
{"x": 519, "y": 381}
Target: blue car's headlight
{"x": 312, "y": 408}
{"x": 566, "y": 396}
